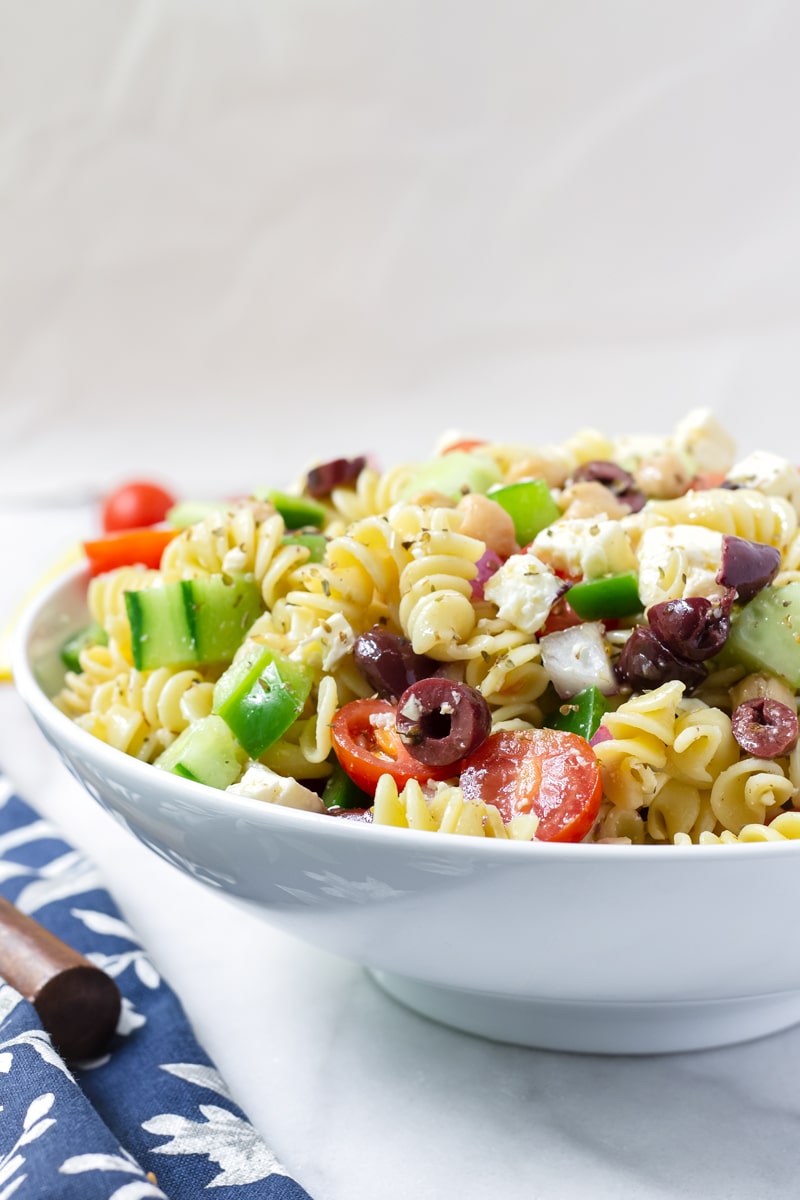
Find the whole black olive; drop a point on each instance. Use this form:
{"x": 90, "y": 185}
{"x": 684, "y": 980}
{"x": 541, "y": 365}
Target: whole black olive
{"x": 693, "y": 628}
{"x": 321, "y": 480}
{"x": 645, "y": 663}
{"x": 440, "y": 721}
{"x": 388, "y": 662}
{"x": 747, "y": 566}
{"x": 618, "y": 481}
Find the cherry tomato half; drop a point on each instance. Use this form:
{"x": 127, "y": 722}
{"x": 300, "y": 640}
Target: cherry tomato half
{"x": 548, "y": 772}
{"x": 135, "y": 505}
{"x": 368, "y": 745}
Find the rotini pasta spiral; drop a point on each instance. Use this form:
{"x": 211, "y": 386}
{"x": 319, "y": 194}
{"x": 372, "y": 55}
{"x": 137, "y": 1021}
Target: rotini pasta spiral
{"x": 635, "y": 756}
{"x": 745, "y": 792}
{"x": 744, "y": 512}
{"x": 445, "y": 811}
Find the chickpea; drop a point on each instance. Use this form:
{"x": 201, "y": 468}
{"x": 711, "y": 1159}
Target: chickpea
{"x": 587, "y": 498}
{"x": 433, "y": 499}
{"x": 489, "y": 522}
{"x": 662, "y": 477}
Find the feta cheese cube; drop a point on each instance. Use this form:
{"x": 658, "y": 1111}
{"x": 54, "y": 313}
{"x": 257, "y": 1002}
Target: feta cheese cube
{"x": 703, "y": 439}
{"x": 770, "y": 474}
{"x": 259, "y": 783}
{"x": 524, "y": 591}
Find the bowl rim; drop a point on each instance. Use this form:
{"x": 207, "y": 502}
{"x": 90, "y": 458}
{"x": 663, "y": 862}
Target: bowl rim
{"x": 110, "y": 761}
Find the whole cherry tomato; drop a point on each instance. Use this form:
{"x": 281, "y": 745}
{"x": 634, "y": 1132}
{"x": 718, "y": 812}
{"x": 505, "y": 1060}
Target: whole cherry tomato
{"x": 368, "y": 745}
{"x": 135, "y": 505}
{"x": 547, "y": 772}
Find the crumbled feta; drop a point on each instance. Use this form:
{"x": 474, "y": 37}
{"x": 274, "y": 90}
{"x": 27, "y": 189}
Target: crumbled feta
{"x": 585, "y": 547}
{"x": 412, "y": 709}
{"x": 327, "y": 644}
{"x": 770, "y": 474}
{"x": 524, "y": 591}
{"x": 259, "y": 783}
{"x": 234, "y": 561}
{"x": 707, "y": 444}
{"x": 676, "y": 561}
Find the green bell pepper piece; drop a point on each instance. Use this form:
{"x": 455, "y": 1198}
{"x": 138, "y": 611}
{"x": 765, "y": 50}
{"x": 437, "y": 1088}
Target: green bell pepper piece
{"x": 297, "y": 511}
{"x": 612, "y": 596}
{"x": 583, "y": 714}
{"x": 341, "y": 792}
{"x": 453, "y": 475}
{"x": 530, "y": 505}
{"x": 260, "y": 696}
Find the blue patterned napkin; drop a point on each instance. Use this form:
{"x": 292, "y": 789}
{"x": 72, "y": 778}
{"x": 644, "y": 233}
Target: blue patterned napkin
{"x": 151, "y": 1117}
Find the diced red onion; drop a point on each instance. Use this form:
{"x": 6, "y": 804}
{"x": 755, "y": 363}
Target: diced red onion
{"x": 602, "y": 734}
{"x": 487, "y": 565}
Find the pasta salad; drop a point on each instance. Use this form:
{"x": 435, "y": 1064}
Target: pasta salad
{"x": 596, "y": 640}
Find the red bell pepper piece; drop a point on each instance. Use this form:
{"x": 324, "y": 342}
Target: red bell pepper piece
{"x": 140, "y": 546}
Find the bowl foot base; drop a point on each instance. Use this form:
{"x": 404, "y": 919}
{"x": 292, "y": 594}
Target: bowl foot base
{"x": 597, "y": 1028}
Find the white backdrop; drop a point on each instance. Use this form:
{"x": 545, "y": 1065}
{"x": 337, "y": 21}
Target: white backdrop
{"x": 237, "y": 236}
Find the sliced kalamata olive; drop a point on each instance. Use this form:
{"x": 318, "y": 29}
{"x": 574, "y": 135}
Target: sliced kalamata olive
{"x": 645, "y": 662}
{"x": 618, "y": 481}
{"x": 693, "y": 628}
{"x": 388, "y": 662}
{"x": 765, "y": 727}
{"x": 747, "y": 566}
{"x": 440, "y": 721}
{"x": 321, "y": 480}
{"x": 363, "y": 815}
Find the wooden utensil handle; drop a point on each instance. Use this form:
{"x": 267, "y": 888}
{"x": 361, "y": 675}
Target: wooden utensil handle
{"x": 78, "y": 1004}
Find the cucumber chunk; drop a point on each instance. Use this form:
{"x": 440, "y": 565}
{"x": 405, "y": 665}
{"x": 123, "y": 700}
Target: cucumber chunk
{"x": 191, "y": 621}
{"x": 765, "y": 634}
{"x": 260, "y": 696}
{"x": 221, "y": 611}
{"x": 207, "y": 752}
{"x": 191, "y": 512}
{"x": 161, "y": 635}
{"x": 454, "y": 475}
{"x": 91, "y": 635}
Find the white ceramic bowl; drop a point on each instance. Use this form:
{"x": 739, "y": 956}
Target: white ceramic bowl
{"x": 610, "y": 949}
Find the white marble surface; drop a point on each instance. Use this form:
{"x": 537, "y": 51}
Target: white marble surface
{"x": 236, "y": 236}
